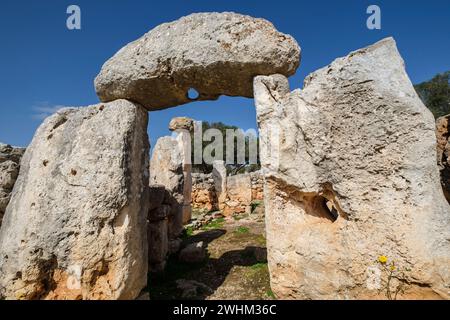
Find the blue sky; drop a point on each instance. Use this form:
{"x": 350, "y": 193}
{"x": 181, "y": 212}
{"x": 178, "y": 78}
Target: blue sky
{"x": 44, "y": 65}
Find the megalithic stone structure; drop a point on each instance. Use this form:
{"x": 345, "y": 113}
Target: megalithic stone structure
{"x": 351, "y": 176}
{"x": 183, "y": 127}
{"x": 76, "y": 224}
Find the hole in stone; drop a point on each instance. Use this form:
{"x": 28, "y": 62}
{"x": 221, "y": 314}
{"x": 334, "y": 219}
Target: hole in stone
{"x": 323, "y": 208}
{"x": 193, "y": 94}
{"x": 73, "y": 172}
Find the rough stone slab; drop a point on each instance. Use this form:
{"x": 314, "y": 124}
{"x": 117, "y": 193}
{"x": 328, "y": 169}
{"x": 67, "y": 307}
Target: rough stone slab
{"x": 351, "y": 174}
{"x": 76, "y": 225}
{"x": 214, "y": 53}
{"x": 443, "y": 152}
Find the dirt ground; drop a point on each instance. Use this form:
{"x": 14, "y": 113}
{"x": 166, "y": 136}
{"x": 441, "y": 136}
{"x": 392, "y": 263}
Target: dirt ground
{"x": 236, "y": 267}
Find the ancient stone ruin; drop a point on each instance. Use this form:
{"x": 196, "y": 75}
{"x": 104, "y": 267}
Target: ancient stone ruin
{"x": 213, "y": 53}
{"x": 9, "y": 170}
{"x": 348, "y": 164}
{"x": 240, "y": 191}
{"x": 443, "y": 148}
{"x": 170, "y": 192}
{"x": 342, "y": 188}
{"x": 75, "y": 226}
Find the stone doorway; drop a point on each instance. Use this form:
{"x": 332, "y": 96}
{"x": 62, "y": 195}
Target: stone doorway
{"x": 221, "y": 252}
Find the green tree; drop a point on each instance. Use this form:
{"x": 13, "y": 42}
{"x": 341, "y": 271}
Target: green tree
{"x": 435, "y": 94}
{"x": 231, "y": 168}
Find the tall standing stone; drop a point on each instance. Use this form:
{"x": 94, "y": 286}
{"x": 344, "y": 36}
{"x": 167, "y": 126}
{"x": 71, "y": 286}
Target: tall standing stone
{"x": 166, "y": 169}
{"x": 183, "y": 127}
{"x": 76, "y": 224}
{"x": 219, "y": 175}
{"x": 350, "y": 171}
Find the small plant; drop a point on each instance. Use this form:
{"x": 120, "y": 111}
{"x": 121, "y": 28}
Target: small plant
{"x": 258, "y": 266}
{"x": 188, "y": 232}
{"x": 215, "y": 224}
{"x": 270, "y": 294}
{"x": 392, "y": 274}
{"x": 255, "y": 204}
{"x": 242, "y": 230}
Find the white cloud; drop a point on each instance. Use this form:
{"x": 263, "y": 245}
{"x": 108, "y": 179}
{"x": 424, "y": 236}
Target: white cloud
{"x": 44, "y": 110}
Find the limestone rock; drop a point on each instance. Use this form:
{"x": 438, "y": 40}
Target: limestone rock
{"x": 213, "y": 53}
{"x": 203, "y": 192}
{"x": 9, "y": 170}
{"x": 350, "y": 170}
{"x": 181, "y": 123}
{"x": 158, "y": 244}
{"x": 257, "y": 180}
{"x": 443, "y": 151}
{"x": 166, "y": 168}
{"x": 76, "y": 224}
{"x": 239, "y": 194}
{"x": 219, "y": 175}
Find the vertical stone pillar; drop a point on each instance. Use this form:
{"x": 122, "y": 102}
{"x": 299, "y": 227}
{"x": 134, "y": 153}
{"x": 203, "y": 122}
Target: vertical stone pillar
{"x": 183, "y": 127}
{"x": 220, "y": 182}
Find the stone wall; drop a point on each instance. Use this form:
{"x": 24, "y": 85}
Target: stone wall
{"x": 443, "y": 153}
{"x": 257, "y": 185}
{"x": 9, "y": 170}
{"x": 203, "y": 192}
{"x": 240, "y": 191}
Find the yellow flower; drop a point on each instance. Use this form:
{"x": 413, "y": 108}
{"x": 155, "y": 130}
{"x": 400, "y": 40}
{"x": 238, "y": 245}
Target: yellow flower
{"x": 392, "y": 267}
{"x": 382, "y": 259}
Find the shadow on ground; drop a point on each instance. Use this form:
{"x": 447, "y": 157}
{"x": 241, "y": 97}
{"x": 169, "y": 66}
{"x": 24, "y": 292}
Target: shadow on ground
{"x": 225, "y": 274}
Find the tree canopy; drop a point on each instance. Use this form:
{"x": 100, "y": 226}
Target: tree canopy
{"x": 435, "y": 94}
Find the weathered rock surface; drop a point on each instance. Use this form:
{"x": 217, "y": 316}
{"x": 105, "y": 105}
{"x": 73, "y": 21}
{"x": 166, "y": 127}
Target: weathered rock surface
{"x": 166, "y": 169}
{"x": 9, "y": 170}
{"x": 219, "y": 175}
{"x": 170, "y": 194}
{"x": 257, "y": 180}
{"x": 203, "y": 192}
{"x": 239, "y": 195}
{"x": 76, "y": 224}
{"x": 214, "y": 53}
{"x": 443, "y": 150}
{"x": 350, "y": 169}
{"x": 181, "y": 123}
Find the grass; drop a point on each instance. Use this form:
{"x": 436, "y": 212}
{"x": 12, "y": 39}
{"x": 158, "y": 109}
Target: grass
{"x": 188, "y": 232}
{"x": 215, "y": 224}
{"x": 259, "y": 266}
{"x": 270, "y": 294}
{"x": 261, "y": 240}
{"x": 242, "y": 230}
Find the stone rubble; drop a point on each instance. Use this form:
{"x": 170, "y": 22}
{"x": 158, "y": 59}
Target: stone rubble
{"x": 9, "y": 170}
